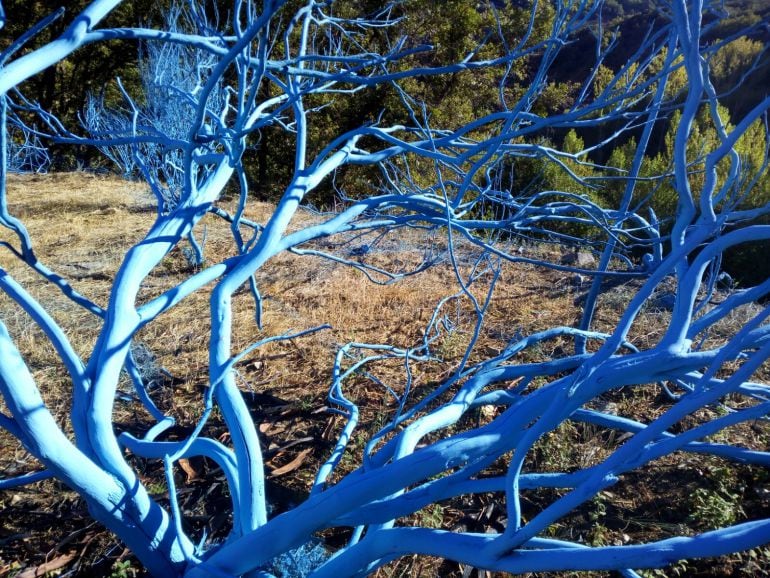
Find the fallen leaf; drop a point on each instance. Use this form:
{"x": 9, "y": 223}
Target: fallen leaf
{"x": 189, "y": 471}
{"x": 292, "y": 465}
{"x": 45, "y": 568}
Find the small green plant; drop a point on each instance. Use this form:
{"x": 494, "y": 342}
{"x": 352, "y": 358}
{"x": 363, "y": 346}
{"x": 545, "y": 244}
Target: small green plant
{"x": 599, "y": 509}
{"x": 122, "y": 569}
{"x": 452, "y": 345}
{"x": 156, "y": 488}
{"x": 431, "y": 516}
{"x": 714, "y": 508}
{"x": 305, "y": 403}
{"x": 556, "y": 451}
{"x": 720, "y": 504}
{"x": 599, "y": 535}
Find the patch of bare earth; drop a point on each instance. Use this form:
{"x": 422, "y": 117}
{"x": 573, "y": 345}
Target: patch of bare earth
{"x": 82, "y": 225}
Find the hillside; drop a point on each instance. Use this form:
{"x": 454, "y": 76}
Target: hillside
{"x": 286, "y": 386}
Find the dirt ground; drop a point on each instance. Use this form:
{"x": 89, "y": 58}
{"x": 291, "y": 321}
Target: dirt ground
{"x": 82, "y": 224}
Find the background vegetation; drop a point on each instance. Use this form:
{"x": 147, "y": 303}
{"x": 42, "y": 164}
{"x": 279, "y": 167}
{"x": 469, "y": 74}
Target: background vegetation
{"x": 453, "y": 26}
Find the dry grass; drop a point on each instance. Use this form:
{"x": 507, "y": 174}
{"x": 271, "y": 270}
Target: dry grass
{"x": 83, "y": 224}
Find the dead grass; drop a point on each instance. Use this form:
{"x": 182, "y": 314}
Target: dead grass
{"x": 82, "y": 225}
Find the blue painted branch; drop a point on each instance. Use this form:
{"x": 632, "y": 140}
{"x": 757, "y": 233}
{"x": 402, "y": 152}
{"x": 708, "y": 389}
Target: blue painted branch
{"x": 427, "y": 451}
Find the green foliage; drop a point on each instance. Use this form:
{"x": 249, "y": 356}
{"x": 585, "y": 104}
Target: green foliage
{"x": 454, "y": 28}
{"x": 714, "y": 509}
{"x": 732, "y": 60}
{"x": 123, "y": 569}
{"x": 431, "y": 516}
{"x": 744, "y": 262}
{"x": 60, "y": 89}
{"x": 719, "y": 504}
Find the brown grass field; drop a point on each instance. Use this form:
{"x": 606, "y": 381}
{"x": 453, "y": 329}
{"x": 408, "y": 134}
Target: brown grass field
{"x": 83, "y": 224}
